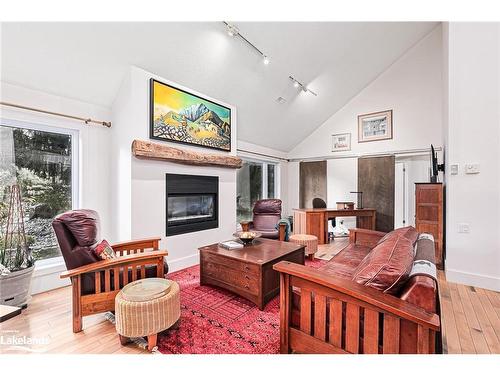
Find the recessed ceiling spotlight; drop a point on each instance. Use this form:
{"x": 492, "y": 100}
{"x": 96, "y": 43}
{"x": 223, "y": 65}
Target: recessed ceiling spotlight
{"x": 281, "y": 100}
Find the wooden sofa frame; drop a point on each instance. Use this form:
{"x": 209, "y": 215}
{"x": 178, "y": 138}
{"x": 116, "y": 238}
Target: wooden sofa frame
{"x": 132, "y": 255}
{"x": 341, "y": 316}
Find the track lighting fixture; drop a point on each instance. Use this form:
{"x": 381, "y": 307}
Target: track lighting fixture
{"x": 303, "y": 87}
{"x": 233, "y": 31}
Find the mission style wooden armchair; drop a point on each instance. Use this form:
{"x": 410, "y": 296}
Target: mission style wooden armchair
{"x": 324, "y": 313}
{"x": 95, "y": 282}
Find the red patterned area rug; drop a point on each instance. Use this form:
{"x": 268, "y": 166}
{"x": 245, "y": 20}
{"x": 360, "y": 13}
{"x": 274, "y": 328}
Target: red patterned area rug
{"x": 215, "y": 321}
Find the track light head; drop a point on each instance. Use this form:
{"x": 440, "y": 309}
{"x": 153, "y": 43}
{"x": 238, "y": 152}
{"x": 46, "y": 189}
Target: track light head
{"x": 302, "y": 87}
{"x": 266, "y": 60}
{"x": 232, "y": 30}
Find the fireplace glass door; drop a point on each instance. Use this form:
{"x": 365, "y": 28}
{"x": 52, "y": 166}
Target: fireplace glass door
{"x": 195, "y": 208}
{"x": 192, "y": 203}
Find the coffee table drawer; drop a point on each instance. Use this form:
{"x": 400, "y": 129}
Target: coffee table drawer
{"x": 231, "y": 263}
{"x": 235, "y": 278}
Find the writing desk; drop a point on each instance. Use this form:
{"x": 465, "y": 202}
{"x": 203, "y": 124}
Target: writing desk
{"x": 315, "y": 220}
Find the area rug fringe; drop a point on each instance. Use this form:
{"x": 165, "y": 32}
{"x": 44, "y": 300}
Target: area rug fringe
{"x": 138, "y": 341}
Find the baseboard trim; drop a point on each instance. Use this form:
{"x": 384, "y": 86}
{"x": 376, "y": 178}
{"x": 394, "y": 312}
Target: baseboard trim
{"x": 181, "y": 263}
{"x": 47, "y": 281}
{"x": 472, "y": 279}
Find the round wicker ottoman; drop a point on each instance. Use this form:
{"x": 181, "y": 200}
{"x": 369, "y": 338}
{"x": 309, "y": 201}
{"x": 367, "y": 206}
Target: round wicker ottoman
{"x": 146, "y": 307}
{"x": 310, "y": 241}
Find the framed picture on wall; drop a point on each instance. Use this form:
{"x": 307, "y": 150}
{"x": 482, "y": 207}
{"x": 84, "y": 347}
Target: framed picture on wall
{"x": 341, "y": 142}
{"x": 375, "y": 126}
{"x": 179, "y": 116}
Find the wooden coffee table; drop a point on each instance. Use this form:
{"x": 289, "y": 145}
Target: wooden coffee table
{"x": 248, "y": 272}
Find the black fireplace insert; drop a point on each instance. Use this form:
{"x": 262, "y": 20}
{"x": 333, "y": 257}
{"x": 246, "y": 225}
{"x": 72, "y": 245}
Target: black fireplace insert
{"x": 192, "y": 203}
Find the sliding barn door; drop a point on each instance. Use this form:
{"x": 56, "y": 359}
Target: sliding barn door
{"x": 312, "y": 182}
{"x": 376, "y": 181}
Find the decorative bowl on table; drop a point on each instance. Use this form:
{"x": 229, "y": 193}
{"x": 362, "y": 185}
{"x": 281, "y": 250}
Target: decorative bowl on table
{"x": 247, "y": 237}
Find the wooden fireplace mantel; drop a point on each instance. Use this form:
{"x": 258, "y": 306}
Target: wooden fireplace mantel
{"x": 157, "y": 151}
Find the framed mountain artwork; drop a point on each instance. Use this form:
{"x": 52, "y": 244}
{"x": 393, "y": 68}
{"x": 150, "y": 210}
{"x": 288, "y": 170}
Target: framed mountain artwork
{"x": 179, "y": 116}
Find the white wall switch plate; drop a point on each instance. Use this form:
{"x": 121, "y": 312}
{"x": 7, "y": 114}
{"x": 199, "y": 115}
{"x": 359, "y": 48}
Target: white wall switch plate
{"x": 471, "y": 168}
{"x": 463, "y": 228}
{"x": 454, "y": 169}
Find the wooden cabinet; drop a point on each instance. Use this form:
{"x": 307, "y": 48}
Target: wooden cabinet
{"x": 249, "y": 271}
{"x": 429, "y": 206}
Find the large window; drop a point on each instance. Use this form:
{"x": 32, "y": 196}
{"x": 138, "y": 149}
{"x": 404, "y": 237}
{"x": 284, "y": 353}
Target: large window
{"x": 42, "y": 163}
{"x": 256, "y": 180}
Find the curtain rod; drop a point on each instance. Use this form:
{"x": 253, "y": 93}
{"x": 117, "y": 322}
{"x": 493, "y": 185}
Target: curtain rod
{"x": 85, "y": 120}
{"x": 351, "y": 156}
{"x": 259, "y": 154}
{"x": 355, "y": 156}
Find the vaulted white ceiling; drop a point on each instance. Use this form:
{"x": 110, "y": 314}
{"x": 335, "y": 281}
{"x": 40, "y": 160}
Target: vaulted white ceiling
{"x": 87, "y": 61}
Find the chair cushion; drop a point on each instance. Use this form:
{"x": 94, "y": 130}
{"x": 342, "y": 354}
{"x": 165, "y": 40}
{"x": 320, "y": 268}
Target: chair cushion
{"x": 272, "y": 234}
{"x": 265, "y": 223}
{"x": 83, "y": 224}
{"x": 267, "y": 206}
{"x": 387, "y": 266}
{"x": 408, "y": 232}
{"x": 344, "y": 264}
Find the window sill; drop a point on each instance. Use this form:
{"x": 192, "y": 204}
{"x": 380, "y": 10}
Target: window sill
{"x": 49, "y": 266}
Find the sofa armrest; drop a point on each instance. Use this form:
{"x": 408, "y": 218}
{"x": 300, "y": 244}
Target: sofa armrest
{"x": 151, "y": 257}
{"x": 365, "y": 237}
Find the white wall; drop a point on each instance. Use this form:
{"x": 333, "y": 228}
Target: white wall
{"x": 472, "y": 132}
{"x": 411, "y": 87}
{"x": 292, "y": 186}
{"x": 94, "y": 156}
{"x": 139, "y": 185}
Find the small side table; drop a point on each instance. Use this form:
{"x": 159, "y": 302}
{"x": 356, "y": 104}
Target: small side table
{"x": 146, "y": 307}
{"x": 310, "y": 242}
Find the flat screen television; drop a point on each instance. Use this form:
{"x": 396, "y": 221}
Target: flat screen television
{"x": 435, "y": 166}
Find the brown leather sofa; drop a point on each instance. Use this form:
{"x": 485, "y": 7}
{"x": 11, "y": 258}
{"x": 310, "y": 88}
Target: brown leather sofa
{"x": 366, "y": 299}
{"x": 95, "y": 282}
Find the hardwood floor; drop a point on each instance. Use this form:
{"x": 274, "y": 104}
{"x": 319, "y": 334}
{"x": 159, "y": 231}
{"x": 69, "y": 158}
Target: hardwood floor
{"x": 470, "y": 318}
{"x": 327, "y": 251}
{"x": 47, "y": 319}
{"x": 470, "y": 322}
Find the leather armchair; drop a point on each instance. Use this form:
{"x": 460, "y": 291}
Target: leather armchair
{"x": 95, "y": 282}
{"x": 266, "y": 215}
